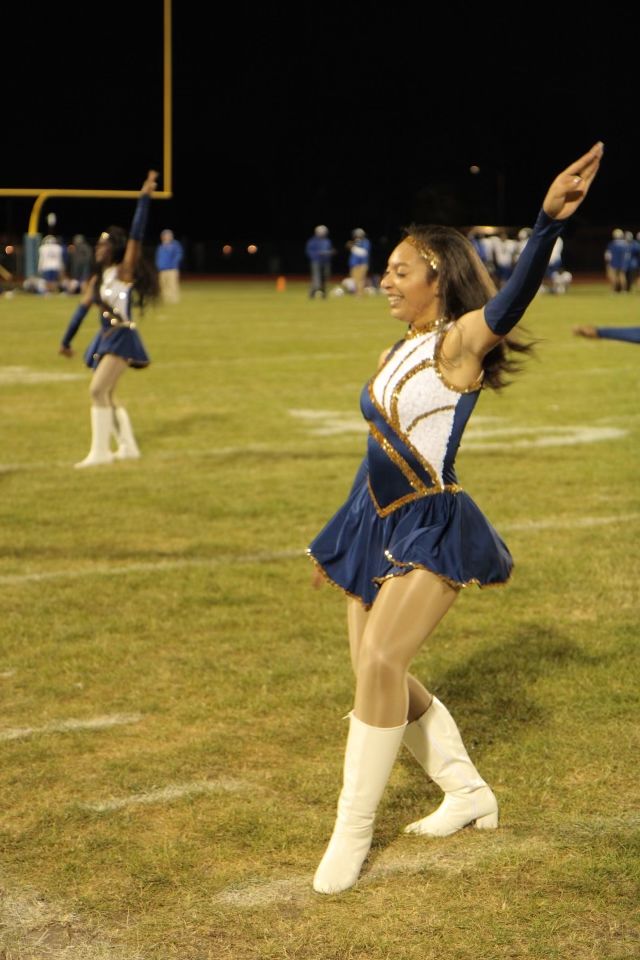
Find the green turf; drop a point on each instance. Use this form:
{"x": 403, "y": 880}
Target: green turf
{"x": 173, "y": 594}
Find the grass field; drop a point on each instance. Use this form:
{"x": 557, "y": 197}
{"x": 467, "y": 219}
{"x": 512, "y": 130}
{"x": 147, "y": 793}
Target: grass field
{"x": 172, "y": 688}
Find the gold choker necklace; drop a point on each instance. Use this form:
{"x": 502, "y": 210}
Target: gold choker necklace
{"x": 421, "y": 331}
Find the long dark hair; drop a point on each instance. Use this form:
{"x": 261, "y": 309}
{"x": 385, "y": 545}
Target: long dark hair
{"x": 145, "y": 279}
{"x": 465, "y": 284}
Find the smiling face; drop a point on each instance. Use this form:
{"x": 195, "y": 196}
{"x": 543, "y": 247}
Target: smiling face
{"x": 412, "y": 293}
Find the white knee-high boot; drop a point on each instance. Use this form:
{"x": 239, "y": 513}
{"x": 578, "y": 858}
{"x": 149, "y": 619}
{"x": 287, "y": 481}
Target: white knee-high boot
{"x": 127, "y": 446}
{"x": 100, "y": 452}
{"x": 435, "y": 742}
{"x": 369, "y": 758}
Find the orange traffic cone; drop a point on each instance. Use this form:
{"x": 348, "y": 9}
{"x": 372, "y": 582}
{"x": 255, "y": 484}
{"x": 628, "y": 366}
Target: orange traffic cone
{"x": 281, "y": 284}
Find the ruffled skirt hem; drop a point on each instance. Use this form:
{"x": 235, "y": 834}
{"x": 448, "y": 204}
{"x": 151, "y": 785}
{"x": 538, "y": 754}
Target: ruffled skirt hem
{"x": 445, "y": 534}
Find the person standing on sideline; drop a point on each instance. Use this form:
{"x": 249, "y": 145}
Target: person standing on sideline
{"x": 319, "y": 251}
{"x": 169, "y": 257}
{"x": 408, "y": 537}
{"x": 616, "y": 257}
{"x": 359, "y": 248}
{"x": 121, "y": 275}
{"x": 51, "y": 263}
{"x": 80, "y": 259}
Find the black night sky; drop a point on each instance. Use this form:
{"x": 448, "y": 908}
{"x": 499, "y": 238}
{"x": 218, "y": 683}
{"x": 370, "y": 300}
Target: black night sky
{"x": 349, "y": 116}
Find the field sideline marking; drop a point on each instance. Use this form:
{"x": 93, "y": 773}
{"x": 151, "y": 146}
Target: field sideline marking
{"x": 63, "y": 726}
{"x": 575, "y": 523}
{"x": 150, "y": 567}
{"x": 167, "y": 794}
{"x": 390, "y": 862}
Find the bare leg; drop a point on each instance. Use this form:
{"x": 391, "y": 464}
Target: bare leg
{"x": 105, "y": 379}
{"x": 357, "y": 617}
{"x": 103, "y": 383}
{"x": 383, "y": 643}
{"x": 406, "y": 611}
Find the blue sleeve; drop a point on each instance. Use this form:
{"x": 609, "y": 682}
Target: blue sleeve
{"x": 139, "y": 222}
{"x": 74, "y": 324}
{"x": 504, "y": 310}
{"x": 629, "y": 334}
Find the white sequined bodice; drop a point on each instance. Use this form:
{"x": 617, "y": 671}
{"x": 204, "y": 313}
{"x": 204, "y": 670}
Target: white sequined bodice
{"x": 413, "y": 396}
{"x": 116, "y": 294}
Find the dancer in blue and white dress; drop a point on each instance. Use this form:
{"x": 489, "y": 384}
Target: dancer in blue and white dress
{"x": 408, "y": 537}
{"x": 120, "y": 272}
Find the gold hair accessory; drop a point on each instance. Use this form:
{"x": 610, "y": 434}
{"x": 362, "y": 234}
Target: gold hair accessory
{"x": 425, "y": 252}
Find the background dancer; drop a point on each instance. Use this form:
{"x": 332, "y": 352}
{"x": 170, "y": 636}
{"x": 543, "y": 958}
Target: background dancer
{"x": 121, "y": 275}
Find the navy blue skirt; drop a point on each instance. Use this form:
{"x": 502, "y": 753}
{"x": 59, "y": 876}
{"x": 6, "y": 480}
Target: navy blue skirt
{"x": 445, "y": 533}
{"x": 122, "y": 341}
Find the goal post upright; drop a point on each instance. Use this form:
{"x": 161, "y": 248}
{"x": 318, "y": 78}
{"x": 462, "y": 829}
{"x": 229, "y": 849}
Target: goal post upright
{"x": 42, "y": 194}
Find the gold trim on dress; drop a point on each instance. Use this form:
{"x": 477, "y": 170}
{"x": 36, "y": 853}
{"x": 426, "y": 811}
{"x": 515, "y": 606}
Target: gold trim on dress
{"x": 437, "y": 364}
{"x": 398, "y": 459}
{"x": 424, "y": 416}
{"x": 332, "y": 583}
{"x": 454, "y": 584}
{"x": 394, "y": 371}
{"x": 392, "y": 507}
{"x": 398, "y": 429}
{"x": 421, "y": 489}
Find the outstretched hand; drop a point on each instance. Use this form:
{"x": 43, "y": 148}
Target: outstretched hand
{"x": 151, "y": 183}
{"x": 570, "y": 187}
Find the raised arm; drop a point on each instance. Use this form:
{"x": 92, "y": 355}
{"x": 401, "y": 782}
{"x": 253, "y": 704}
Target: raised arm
{"x": 126, "y": 270}
{"x": 482, "y": 329}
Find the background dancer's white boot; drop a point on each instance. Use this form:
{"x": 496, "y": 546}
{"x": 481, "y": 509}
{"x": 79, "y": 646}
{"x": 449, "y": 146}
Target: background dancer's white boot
{"x": 435, "y": 742}
{"x": 369, "y": 758}
{"x": 127, "y": 446}
{"x": 100, "y": 452}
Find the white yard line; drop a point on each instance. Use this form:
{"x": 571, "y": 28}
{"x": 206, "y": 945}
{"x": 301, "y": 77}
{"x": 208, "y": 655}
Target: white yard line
{"x": 168, "y": 794}
{"x": 390, "y": 862}
{"x": 575, "y": 523}
{"x": 107, "y": 571}
{"x": 558, "y": 523}
{"x": 64, "y": 726}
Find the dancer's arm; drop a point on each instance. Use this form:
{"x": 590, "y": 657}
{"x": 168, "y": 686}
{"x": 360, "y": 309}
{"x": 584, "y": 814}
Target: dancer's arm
{"x": 133, "y": 251}
{"x": 628, "y": 334}
{"x": 76, "y": 320}
{"x": 477, "y": 332}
